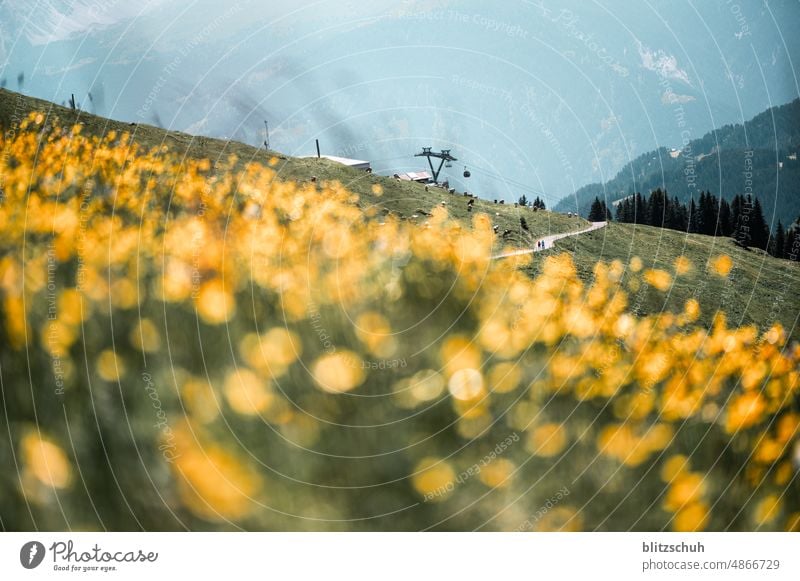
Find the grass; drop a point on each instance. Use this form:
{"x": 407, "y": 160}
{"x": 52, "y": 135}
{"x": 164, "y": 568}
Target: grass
{"x": 759, "y": 290}
{"x": 402, "y": 199}
{"x": 207, "y": 364}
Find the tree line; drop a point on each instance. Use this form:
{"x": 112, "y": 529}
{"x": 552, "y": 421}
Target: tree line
{"x": 741, "y": 219}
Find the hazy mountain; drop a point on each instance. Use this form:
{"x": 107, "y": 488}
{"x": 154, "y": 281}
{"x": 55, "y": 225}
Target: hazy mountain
{"x": 549, "y": 95}
{"x": 760, "y": 154}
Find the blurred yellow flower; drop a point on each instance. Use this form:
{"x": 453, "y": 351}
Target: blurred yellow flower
{"x": 659, "y": 279}
{"x": 458, "y": 352}
{"x": 547, "y": 440}
{"x": 246, "y": 393}
{"x": 215, "y": 303}
{"x": 722, "y": 265}
{"x": 768, "y": 509}
{"x": 504, "y": 377}
{"x": 497, "y": 474}
{"x": 744, "y": 411}
{"x": 466, "y": 385}
{"x": 110, "y": 366}
{"x": 433, "y": 479}
{"x": 145, "y": 336}
{"x": 212, "y": 483}
{"x": 690, "y": 518}
{"x": 46, "y": 461}
{"x": 338, "y": 372}
{"x": 683, "y": 266}
{"x": 673, "y": 467}
{"x": 685, "y": 488}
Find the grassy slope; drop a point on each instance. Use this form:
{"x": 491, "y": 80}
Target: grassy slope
{"x": 401, "y": 198}
{"x": 749, "y": 297}
{"x": 760, "y": 288}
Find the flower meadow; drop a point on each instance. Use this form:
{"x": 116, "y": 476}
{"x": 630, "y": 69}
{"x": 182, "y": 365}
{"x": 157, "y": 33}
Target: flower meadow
{"x": 191, "y": 344}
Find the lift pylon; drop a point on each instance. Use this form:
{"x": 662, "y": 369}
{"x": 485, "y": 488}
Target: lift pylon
{"x": 444, "y": 157}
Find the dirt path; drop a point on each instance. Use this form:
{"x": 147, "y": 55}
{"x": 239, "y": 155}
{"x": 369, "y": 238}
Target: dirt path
{"x": 549, "y": 240}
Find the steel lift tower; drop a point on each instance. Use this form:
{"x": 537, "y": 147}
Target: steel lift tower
{"x": 443, "y": 155}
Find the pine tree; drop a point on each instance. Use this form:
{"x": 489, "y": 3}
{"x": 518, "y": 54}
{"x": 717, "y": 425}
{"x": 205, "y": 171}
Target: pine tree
{"x": 597, "y": 213}
{"x": 694, "y": 218}
{"x": 670, "y": 214}
{"x": 725, "y": 218}
{"x": 627, "y": 210}
{"x": 702, "y": 211}
{"x": 778, "y": 242}
{"x": 640, "y": 213}
{"x": 523, "y": 201}
{"x": 742, "y": 232}
{"x": 759, "y": 230}
{"x": 709, "y": 212}
{"x": 655, "y": 207}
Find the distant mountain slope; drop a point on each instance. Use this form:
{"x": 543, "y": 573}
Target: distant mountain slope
{"x": 720, "y": 161}
{"x": 378, "y": 195}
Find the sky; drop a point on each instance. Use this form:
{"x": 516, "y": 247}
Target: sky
{"x": 534, "y": 97}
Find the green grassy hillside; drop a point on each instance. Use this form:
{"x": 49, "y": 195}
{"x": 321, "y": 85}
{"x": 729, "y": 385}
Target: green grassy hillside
{"x": 408, "y": 200}
{"x": 760, "y": 289}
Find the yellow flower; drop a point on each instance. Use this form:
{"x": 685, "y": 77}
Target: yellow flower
{"x": 212, "y": 483}
{"x": 46, "y": 460}
{"x": 768, "y": 509}
{"x": 683, "y": 266}
{"x": 497, "y": 474}
{"x": 692, "y": 517}
{"x": 215, "y": 303}
{"x": 338, "y": 372}
{"x": 659, "y": 279}
{"x": 745, "y": 410}
{"x": 692, "y": 310}
{"x": 246, "y": 393}
{"x": 722, "y": 265}
{"x": 686, "y": 488}
{"x": 426, "y": 385}
{"x": 547, "y": 440}
{"x": 110, "y": 366}
{"x": 505, "y": 377}
{"x": 458, "y": 352}
{"x": 433, "y": 479}
{"x": 145, "y": 336}
{"x": 466, "y": 385}
{"x": 199, "y": 399}
{"x": 674, "y": 466}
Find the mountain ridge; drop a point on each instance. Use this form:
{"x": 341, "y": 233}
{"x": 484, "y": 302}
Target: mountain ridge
{"x": 759, "y": 157}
